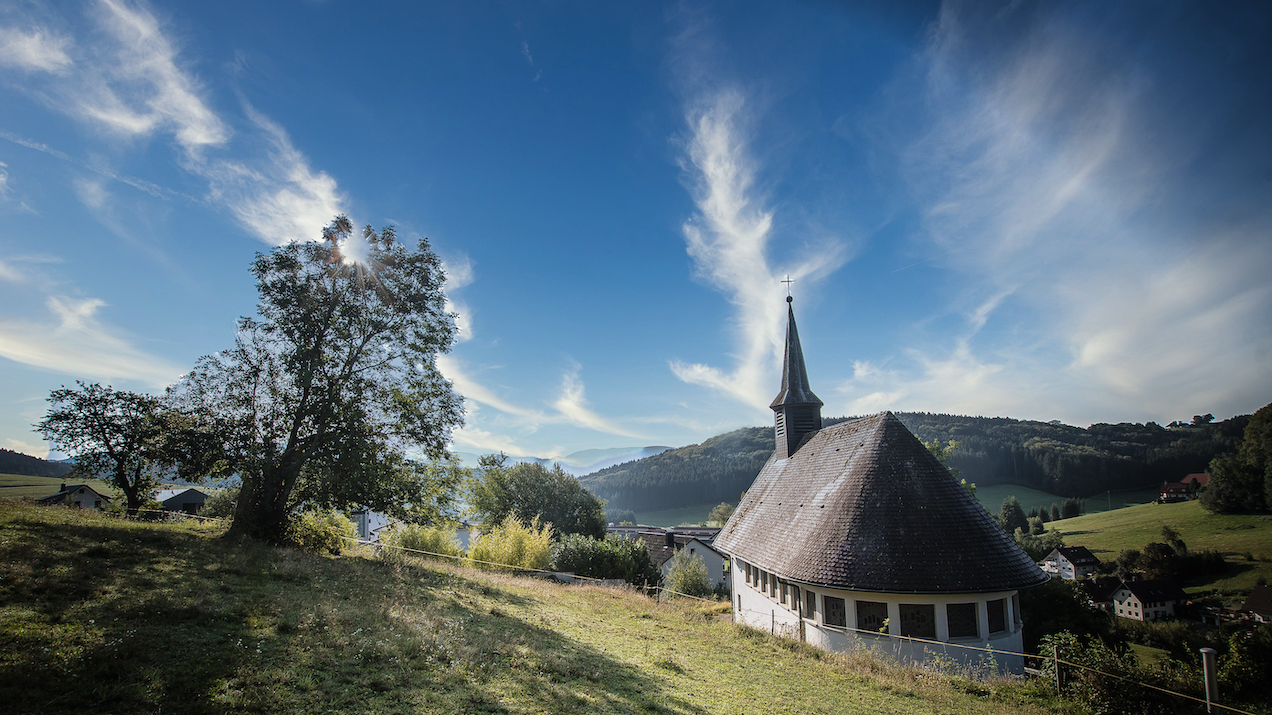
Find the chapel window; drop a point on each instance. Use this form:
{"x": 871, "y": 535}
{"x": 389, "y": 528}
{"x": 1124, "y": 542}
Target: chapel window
{"x": 871, "y": 616}
{"x": 962, "y": 620}
{"x": 997, "y": 610}
{"x": 810, "y": 605}
{"x": 836, "y": 614}
{"x": 918, "y": 620}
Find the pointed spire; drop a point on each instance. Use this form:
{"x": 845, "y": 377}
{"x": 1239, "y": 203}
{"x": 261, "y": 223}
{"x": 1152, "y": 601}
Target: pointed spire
{"x": 795, "y": 389}
{"x": 797, "y": 411}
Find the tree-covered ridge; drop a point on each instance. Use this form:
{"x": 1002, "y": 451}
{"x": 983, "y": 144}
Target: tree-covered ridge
{"x": 717, "y": 470}
{"x": 1049, "y": 456}
{"x": 18, "y": 463}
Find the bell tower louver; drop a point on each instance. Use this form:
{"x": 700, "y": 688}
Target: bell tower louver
{"x": 796, "y": 410}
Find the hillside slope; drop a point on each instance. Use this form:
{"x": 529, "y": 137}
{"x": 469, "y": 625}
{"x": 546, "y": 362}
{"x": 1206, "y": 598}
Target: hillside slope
{"x": 1245, "y": 540}
{"x": 1051, "y": 457}
{"x": 108, "y": 616}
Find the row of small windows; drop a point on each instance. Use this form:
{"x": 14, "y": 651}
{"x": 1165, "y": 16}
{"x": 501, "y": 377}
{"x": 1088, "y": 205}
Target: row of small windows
{"x": 918, "y": 620}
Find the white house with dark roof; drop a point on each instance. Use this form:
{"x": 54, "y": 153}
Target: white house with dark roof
{"x": 856, "y": 536}
{"x": 78, "y": 495}
{"x": 1153, "y": 600}
{"x": 1070, "y": 562}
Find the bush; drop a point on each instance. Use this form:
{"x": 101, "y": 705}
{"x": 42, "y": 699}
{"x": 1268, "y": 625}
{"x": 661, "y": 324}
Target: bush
{"x": 320, "y": 531}
{"x": 611, "y": 557}
{"x": 687, "y": 574}
{"x": 1103, "y": 694}
{"x": 513, "y": 544}
{"x": 432, "y": 539}
{"x": 221, "y": 502}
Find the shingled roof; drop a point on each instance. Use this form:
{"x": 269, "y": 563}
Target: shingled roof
{"x": 864, "y": 506}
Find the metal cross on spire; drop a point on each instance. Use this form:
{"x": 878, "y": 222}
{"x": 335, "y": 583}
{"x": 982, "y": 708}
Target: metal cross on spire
{"x": 788, "y": 283}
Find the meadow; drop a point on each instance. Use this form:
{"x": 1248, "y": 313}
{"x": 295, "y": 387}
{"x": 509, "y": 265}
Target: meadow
{"x": 1245, "y": 540}
{"x": 102, "y": 615}
{"x": 21, "y": 486}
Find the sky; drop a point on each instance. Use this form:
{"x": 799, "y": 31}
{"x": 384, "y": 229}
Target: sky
{"x": 1037, "y": 210}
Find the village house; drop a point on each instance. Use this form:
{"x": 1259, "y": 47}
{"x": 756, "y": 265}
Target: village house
{"x": 1174, "y": 492}
{"x": 188, "y": 500}
{"x": 856, "y": 536}
{"x": 1154, "y": 600}
{"x": 663, "y": 545}
{"x": 1070, "y": 562}
{"x": 79, "y": 495}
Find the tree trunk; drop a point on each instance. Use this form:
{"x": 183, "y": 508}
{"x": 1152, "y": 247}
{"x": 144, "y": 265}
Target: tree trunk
{"x": 262, "y": 512}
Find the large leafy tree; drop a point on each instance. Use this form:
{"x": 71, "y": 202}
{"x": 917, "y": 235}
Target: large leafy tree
{"x": 331, "y": 384}
{"x": 529, "y": 489}
{"x": 1243, "y": 481}
{"x": 121, "y": 436}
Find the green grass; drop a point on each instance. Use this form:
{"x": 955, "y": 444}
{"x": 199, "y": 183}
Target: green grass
{"x": 100, "y": 615}
{"x": 17, "y": 486}
{"x": 689, "y": 515}
{"x": 1235, "y": 535}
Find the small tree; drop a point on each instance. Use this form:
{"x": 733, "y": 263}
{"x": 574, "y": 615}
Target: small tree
{"x": 528, "y": 491}
{"x": 720, "y": 514}
{"x": 687, "y": 574}
{"x": 113, "y": 434}
{"x": 1011, "y": 516}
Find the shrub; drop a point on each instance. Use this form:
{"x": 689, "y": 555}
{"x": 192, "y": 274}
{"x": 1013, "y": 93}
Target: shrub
{"x": 611, "y": 557}
{"x": 221, "y": 502}
{"x": 320, "y": 531}
{"x": 687, "y": 574}
{"x": 432, "y": 539}
{"x": 513, "y": 544}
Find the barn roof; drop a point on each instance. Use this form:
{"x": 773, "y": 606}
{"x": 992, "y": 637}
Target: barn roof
{"x": 864, "y": 506}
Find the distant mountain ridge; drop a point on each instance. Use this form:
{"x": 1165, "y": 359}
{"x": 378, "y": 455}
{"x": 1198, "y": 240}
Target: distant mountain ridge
{"x": 578, "y": 463}
{"x": 1048, "y": 456}
{"x": 18, "y": 463}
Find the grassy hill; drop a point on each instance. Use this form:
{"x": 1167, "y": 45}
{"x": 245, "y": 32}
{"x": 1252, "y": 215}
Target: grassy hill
{"x": 17, "y": 486}
{"x": 107, "y": 616}
{"x": 1245, "y": 540}
{"x": 992, "y": 497}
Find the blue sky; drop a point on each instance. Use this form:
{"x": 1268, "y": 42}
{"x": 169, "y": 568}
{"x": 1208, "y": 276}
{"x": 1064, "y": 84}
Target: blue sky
{"x": 1031, "y": 209}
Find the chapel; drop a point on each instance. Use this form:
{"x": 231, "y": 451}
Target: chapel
{"x": 855, "y": 535}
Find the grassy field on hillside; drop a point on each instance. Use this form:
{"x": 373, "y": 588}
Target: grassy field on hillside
{"x": 100, "y": 615}
{"x": 17, "y": 486}
{"x": 1245, "y": 540}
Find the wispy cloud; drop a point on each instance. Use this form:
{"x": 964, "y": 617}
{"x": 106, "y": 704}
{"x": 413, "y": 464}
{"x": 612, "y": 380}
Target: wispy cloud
{"x": 73, "y": 341}
{"x": 1063, "y": 183}
{"x": 459, "y": 273}
{"x": 35, "y": 49}
{"x": 132, "y": 82}
{"x": 728, "y": 240}
{"x": 573, "y": 407}
{"x": 279, "y": 199}
{"x": 569, "y": 407}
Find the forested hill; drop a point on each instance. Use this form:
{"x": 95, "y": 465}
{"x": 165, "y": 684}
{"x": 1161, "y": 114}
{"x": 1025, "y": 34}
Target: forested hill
{"x": 18, "y": 463}
{"x": 1053, "y": 457}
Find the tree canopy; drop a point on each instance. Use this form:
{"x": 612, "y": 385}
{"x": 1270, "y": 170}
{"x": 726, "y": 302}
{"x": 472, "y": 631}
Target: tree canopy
{"x": 528, "y": 490}
{"x": 1243, "y": 481}
{"x": 112, "y": 434}
{"x": 332, "y": 382}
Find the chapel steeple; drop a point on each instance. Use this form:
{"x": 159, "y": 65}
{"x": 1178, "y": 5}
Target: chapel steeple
{"x": 796, "y": 410}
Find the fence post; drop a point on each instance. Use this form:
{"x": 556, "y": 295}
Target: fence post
{"x": 1208, "y": 669}
{"x": 772, "y": 622}
{"x": 1055, "y": 661}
